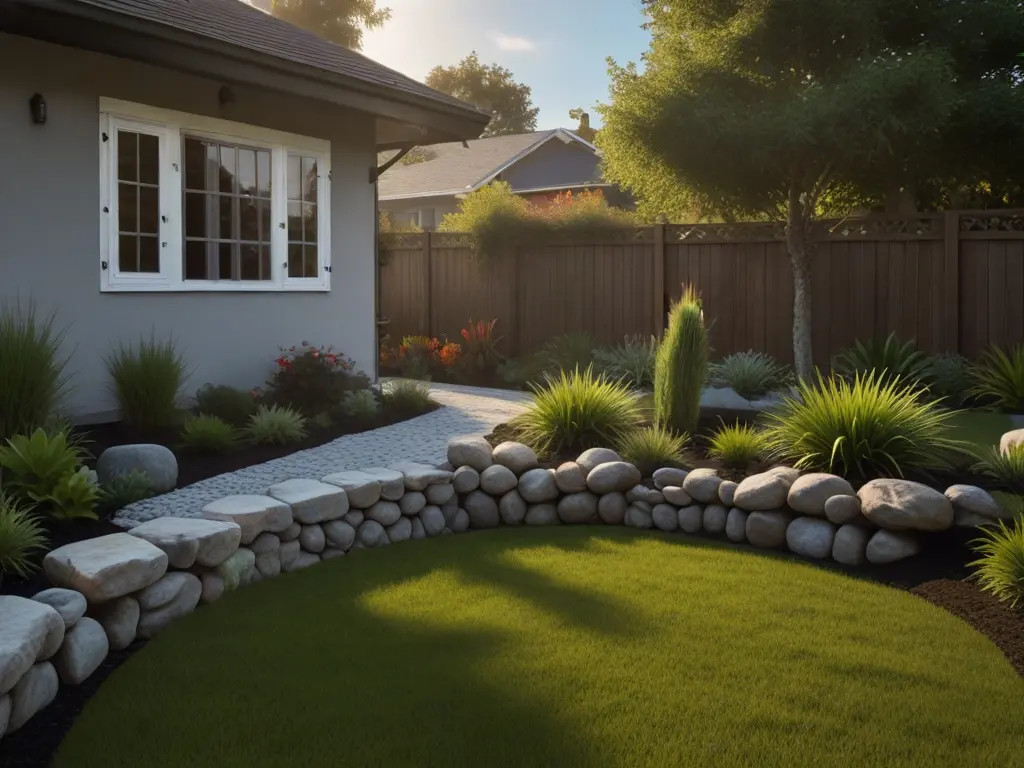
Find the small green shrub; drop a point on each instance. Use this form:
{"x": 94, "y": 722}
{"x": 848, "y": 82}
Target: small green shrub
{"x": 1001, "y": 565}
{"x": 1004, "y": 470}
{"x": 651, "y": 448}
{"x": 737, "y": 446}
{"x": 209, "y": 434}
{"x": 406, "y": 398}
{"x": 632, "y": 360}
{"x": 361, "y": 406}
{"x": 750, "y": 374}
{"x": 998, "y": 379}
{"x": 74, "y": 496}
{"x": 869, "y": 427}
{"x": 21, "y": 538}
{"x": 681, "y": 367}
{"x": 34, "y": 464}
{"x": 949, "y": 379}
{"x": 889, "y": 358}
{"x": 312, "y": 380}
{"x": 234, "y": 406}
{"x": 276, "y": 425}
{"x": 578, "y": 410}
{"x": 147, "y": 380}
{"x": 124, "y": 490}
{"x": 32, "y": 378}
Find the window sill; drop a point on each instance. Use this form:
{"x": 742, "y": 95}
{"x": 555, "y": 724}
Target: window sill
{"x": 215, "y": 287}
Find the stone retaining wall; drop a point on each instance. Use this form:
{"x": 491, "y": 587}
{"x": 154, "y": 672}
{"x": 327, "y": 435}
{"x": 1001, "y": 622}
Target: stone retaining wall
{"x": 110, "y": 591}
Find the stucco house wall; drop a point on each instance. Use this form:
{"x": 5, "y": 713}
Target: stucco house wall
{"x": 50, "y": 224}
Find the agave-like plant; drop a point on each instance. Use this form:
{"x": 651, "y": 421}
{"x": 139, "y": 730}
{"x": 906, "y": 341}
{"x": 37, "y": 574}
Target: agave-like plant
{"x": 862, "y": 429}
{"x": 750, "y": 374}
{"x": 21, "y": 537}
{"x": 1001, "y": 565}
{"x": 888, "y": 358}
{"x": 999, "y": 379}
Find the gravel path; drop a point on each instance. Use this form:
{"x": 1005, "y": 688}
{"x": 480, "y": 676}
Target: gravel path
{"x": 465, "y": 411}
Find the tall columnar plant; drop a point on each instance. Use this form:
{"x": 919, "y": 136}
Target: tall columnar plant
{"x": 31, "y": 369}
{"x": 681, "y": 367}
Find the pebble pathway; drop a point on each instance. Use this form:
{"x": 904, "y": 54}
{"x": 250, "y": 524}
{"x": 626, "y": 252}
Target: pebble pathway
{"x": 464, "y": 411}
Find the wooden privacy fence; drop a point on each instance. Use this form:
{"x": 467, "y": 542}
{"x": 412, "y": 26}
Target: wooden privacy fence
{"x": 953, "y": 281}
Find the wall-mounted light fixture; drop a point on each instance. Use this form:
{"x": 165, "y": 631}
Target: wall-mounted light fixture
{"x": 37, "y": 106}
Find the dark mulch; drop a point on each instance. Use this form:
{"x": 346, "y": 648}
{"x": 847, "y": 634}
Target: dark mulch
{"x": 1003, "y": 625}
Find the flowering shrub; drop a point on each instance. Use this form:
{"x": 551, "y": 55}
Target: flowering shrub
{"x": 312, "y": 380}
{"x": 421, "y": 357}
{"x": 481, "y": 356}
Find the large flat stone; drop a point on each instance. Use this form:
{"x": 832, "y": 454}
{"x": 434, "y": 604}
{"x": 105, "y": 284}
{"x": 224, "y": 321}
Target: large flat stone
{"x": 253, "y": 514}
{"x": 418, "y": 476}
{"x": 311, "y": 500}
{"x": 191, "y": 541}
{"x": 361, "y": 488}
{"x": 30, "y": 631}
{"x": 902, "y": 504}
{"x": 106, "y": 567}
{"x": 392, "y": 482}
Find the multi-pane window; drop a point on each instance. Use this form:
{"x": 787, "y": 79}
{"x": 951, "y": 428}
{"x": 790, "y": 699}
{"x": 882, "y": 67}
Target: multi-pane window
{"x": 227, "y": 208}
{"x": 192, "y": 203}
{"x": 138, "y": 202}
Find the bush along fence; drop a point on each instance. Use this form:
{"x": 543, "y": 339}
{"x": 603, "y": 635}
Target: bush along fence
{"x": 952, "y": 281}
{"x": 112, "y": 590}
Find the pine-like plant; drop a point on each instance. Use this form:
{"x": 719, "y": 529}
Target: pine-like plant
{"x": 681, "y": 367}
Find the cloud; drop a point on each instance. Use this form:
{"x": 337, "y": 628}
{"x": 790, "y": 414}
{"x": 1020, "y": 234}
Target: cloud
{"x": 512, "y": 42}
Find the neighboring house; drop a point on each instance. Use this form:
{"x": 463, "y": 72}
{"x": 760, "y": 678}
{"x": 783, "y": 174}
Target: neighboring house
{"x": 537, "y": 165}
{"x": 197, "y": 170}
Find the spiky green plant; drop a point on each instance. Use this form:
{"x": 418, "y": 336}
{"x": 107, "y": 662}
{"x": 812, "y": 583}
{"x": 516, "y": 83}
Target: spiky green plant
{"x": 1004, "y": 470}
{"x": 21, "y": 537}
{"x": 33, "y": 465}
{"x": 124, "y": 490}
{"x": 949, "y": 379}
{"x": 889, "y": 358}
{"x": 406, "y": 398}
{"x": 681, "y": 367}
{"x": 577, "y": 410}
{"x": 1001, "y": 565}
{"x": 869, "y": 427}
{"x": 361, "y": 406}
{"x": 147, "y": 379}
{"x": 632, "y": 360}
{"x": 276, "y": 425}
{"x": 652, "y": 447}
{"x": 998, "y": 379}
{"x": 737, "y": 445}
{"x": 209, "y": 434}
{"x": 750, "y": 374}
{"x": 32, "y": 378}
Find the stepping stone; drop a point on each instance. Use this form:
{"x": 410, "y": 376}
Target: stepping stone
{"x": 253, "y": 514}
{"x": 361, "y": 488}
{"x": 191, "y": 541}
{"x": 30, "y": 631}
{"x": 106, "y": 567}
{"x": 311, "y": 501}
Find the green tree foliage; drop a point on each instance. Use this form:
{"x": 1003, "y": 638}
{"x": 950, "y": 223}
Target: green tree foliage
{"x": 583, "y": 130}
{"x": 493, "y": 89}
{"x": 340, "y": 21}
{"x": 786, "y": 109}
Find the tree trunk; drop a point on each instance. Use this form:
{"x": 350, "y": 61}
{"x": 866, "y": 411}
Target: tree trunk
{"x": 796, "y": 243}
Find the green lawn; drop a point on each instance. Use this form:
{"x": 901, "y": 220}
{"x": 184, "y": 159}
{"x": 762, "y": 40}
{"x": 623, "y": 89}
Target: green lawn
{"x": 559, "y": 647}
{"x": 982, "y": 429}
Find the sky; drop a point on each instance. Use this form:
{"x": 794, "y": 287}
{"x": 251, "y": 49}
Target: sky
{"x": 557, "y": 47}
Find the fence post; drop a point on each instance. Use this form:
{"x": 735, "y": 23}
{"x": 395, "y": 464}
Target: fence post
{"x": 425, "y": 311}
{"x": 659, "y": 279}
{"x": 951, "y": 236}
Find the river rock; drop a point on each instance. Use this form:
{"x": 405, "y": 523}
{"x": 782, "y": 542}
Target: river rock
{"x": 637, "y": 516}
{"x": 843, "y": 509}
{"x": 312, "y": 539}
{"x": 850, "y": 544}
{"x": 156, "y": 462}
{"x": 413, "y": 502}
{"x": 384, "y": 512}
{"x": 577, "y": 508}
{"x": 339, "y": 534}
{"x": 569, "y": 478}
{"x": 691, "y": 518}
{"x": 611, "y": 508}
{"x": 242, "y": 562}
{"x": 715, "y": 516}
{"x": 809, "y": 493}
{"x": 542, "y": 514}
{"x": 890, "y": 546}
{"x": 84, "y": 649}
{"x": 903, "y": 504}
{"x": 665, "y": 517}
{"x": 727, "y": 492}
{"x": 293, "y": 530}
{"x": 592, "y": 457}
{"x": 120, "y": 620}
{"x": 433, "y": 520}
{"x": 1010, "y": 439}
{"x": 163, "y": 591}
{"x": 482, "y": 509}
{"x": 69, "y": 603}
{"x": 736, "y": 525}
{"x": 675, "y": 495}
{"x": 537, "y": 486}
{"x": 30, "y": 631}
{"x": 613, "y": 476}
{"x": 106, "y": 567}
{"x": 643, "y": 493}
{"x": 460, "y": 522}
{"x": 702, "y": 485}
{"x": 515, "y": 456}
{"x": 973, "y": 506}
{"x": 400, "y": 531}
{"x": 370, "y": 534}
{"x": 440, "y": 493}
{"x": 667, "y": 476}
{"x": 811, "y": 537}
{"x": 465, "y": 479}
{"x": 767, "y": 529}
{"x": 512, "y": 508}
{"x": 497, "y": 480}
{"x": 152, "y": 622}
{"x": 305, "y": 560}
{"x": 34, "y": 691}
{"x": 763, "y": 492}
{"x": 213, "y": 585}
{"x": 472, "y": 452}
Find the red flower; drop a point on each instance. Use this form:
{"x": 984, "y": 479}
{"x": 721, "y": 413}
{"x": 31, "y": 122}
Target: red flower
{"x": 283, "y": 362}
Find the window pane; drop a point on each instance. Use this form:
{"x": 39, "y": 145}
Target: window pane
{"x": 149, "y": 210}
{"x": 127, "y": 208}
{"x": 294, "y": 260}
{"x": 250, "y": 222}
{"x": 149, "y": 254}
{"x": 195, "y": 214}
{"x": 225, "y": 261}
{"x": 295, "y": 222}
{"x": 227, "y": 218}
{"x": 264, "y": 221}
{"x": 247, "y": 171}
{"x": 309, "y": 179}
{"x": 149, "y": 159}
{"x": 263, "y": 172}
{"x": 195, "y": 261}
{"x": 264, "y": 262}
{"x": 128, "y": 253}
{"x": 213, "y": 169}
{"x": 309, "y": 222}
{"x": 195, "y": 164}
{"x": 312, "y": 268}
{"x": 294, "y": 175}
{"x": 250, "y": 262}
{"x": 227, "y": 169}
{"x": 127, "y": 157}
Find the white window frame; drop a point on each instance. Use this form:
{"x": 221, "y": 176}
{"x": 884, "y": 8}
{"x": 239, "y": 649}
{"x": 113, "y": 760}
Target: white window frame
{"x": 170, "y": 126}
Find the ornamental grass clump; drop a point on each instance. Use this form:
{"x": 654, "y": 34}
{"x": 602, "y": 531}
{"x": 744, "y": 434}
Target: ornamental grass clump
{"x": 1001, "y": 565}
{"x": 737, "y": 446}
{"x": 750, "y": 374}
{"x": 147, "y": 380}
{"x": 651, "y": 448}
{"x": 577, "y": 410}
{"x": 276, "y": 425}
{"x": 32, "y": 378}
{"x": 889, "y": 358}
{"x": 862, "y": 429}
{"x": 234, "y": 406}
{"x": 406, "y": 398}
{"x": 631, "y": 361}
{"x": 998, "y": 379}
{"x": 1004, "y": 471}
{"x": 209, "y": 434}
{"x": 681, "y": 366}
{"x": 21, "y": 538}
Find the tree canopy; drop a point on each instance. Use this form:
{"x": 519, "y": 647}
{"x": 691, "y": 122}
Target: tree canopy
{"x": 493, "y": 89}
{"x": 787, "y": 109}
{"x": 340, "y": 21}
